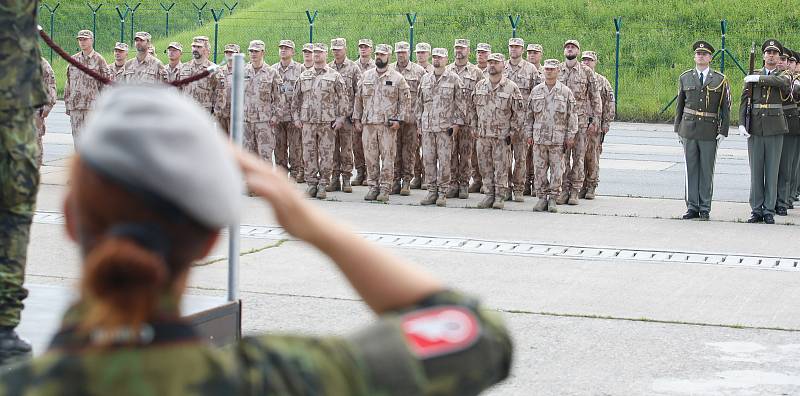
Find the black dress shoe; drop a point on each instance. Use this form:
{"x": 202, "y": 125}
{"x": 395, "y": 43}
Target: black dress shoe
{"x": 769, "y": 219}
{"x": 755, "y": 218}
{"x": 703, "y": 215}
{"x": 780, "y": 211}
{"x": 690, "y": 214}
{"x": 791, "y": 206}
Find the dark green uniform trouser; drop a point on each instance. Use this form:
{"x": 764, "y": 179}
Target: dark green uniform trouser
{"x": 764, "y": 153}
{"x": 794, "y": 189}
{"x": 701, "y": 156}
{"x": 19, "y": 183}
{"x": 787, "y": 170}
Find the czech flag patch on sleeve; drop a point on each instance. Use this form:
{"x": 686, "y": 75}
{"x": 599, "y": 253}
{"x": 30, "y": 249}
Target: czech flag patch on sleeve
{"x": 440, "y": 330}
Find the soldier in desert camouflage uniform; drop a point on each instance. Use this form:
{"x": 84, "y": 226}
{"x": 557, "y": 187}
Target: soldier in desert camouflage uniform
{"x": 81, "y": 90}
{"x": 49, "y": 79}
{"x": 595, "y": 141}
{"x": 204, "y": 91}
{"x": 174, "y": 53}
{"x": 550, "y": 128}
{"x": 222, "y": 104}
{"x": 319, "y": 107}
{"x": 120, "y": 57}
{"x": 440, "y": 113}
{"x": 263, "y": 102}
{"x": 381, "y": 107}
{"x": 407, "y": 136}
{"x": 287, "y": 137}
{"x": 497, "y": 111}
{"x": 343, "y": 148}
{"x": 144, "y": 68}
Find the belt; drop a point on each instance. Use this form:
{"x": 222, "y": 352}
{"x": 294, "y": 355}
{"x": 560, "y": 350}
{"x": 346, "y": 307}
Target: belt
{"x": 699, "y": 113}
{"x": 789, "y": 107}
{"x": 768, "y": 106}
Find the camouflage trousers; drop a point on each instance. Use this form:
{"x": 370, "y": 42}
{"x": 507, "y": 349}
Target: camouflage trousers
{"x": 592, "y": 161}
{"x": 476, "y": 173}
{"x": 318, "y": 142}
{"x": 259, "y": 138}
{"x": 358, "y": 152}
{"x": 574, "y": 163}
{"x": 493, "y": 161}
{"x": 77, "y": 118}
{"x": 436, "y": 149}
{"x": 19, "y": 183}
{"x": 548, "y": 157}
{"x": 289, "y": 139}
{"x": 407, "y": 151}
{"x": 224, "y": 123}
{"x": 419, "y": 165}
{"x": 343, "y": 152}
{"x": 379, "y": 154}
{"x": 40, "y": 130}
{"x": 460, "y": 157}
{"x": 519, "y": 174}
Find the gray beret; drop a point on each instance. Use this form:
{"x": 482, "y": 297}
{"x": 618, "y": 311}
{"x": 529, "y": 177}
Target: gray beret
{"x": 155, "y": 140}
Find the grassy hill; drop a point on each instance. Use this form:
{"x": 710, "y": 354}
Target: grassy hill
{"x": 656, "y": 36}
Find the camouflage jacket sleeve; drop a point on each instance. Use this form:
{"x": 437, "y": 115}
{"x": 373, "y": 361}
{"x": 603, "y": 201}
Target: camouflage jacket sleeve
{"x": 403, "y": 101}
{"x": 357, "y": 76}
{"x": 419, "y": 106}
{"x": 596, "y": 101}
{"x": 220, "y": 102}
{"x": 163, "y": 74}
{"x": 517, "y": 115}
{"x": 358, "y": 103}
{"x": 50, "y": 85}
{"x": 278, "y": 99}
{"x": 460, "y": 112}
{"x": 609, "y": 106}
{"x": 472, "y": 110}
{"x": 67, "y": 90}
{"x": 530, "y": 117}
{"x": 572, "y": 121}
{"x": 344, "y": 106}
{"x": 445, "y": 345}
{"x": 297, "y": 100}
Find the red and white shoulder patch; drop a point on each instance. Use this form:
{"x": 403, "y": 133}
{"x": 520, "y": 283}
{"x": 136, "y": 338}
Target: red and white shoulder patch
{"x": 440, "y": 331}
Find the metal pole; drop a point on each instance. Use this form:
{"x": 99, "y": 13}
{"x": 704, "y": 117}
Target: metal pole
{"x": 166, "y": 10}
{"x": 311, "y": 25}
{"x": 122, "y": 17}
{"x": 200, "y": 12}
{"x": 412, "y": 19}
{"x": 217, "y": 17}
{"x": 237, "y": 125}
{"x": 52, "y": 23}
{"x": 133, "y": 20}
{"x": 617, "y": 25}
{"x": 230, "y": 8}
{"x": 724, "y": 24}
{"x": 94, "y": 16}
{"x": 514, "y": 23}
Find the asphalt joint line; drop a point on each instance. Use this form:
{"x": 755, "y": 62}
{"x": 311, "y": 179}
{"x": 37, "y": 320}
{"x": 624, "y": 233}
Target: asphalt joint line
{"x": 217, "y": 259}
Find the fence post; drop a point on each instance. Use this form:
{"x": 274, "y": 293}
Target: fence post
{"x": 200, "y": 12}
{"x": 617, "y": 25}
{"x": 52, "y": 11}
{"x": 230, "y": 8}
{"x": 133, "y": 16}
{"x": 412, "y": 19}
{"x": 514, "y": 23}
{"x": 311, "y": 25}
{"x": 122, "y": 17}
{"x": 166, "y": 10}
{"x": 217, "y": 17}
{"x": 94, "y": 16}
{"x": 724, "y": 25}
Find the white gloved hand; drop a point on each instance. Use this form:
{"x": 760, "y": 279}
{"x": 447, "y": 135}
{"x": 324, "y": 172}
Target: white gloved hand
{"x": 720, "y": 138}
{"x": 743, "y": 131}
{"x": 753, "y": 78}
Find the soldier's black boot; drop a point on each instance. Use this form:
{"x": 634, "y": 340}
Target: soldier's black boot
{"x": 12, "y": 348}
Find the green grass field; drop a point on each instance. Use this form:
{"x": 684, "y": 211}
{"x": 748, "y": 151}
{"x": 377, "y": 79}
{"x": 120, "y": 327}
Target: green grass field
{"x": 656, "y": 36}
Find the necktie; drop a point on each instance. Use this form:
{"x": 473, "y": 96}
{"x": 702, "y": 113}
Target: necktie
{"x": 701, "y": 79}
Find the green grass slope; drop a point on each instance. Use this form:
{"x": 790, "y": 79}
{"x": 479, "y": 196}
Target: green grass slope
{"x": 655, "y": 37}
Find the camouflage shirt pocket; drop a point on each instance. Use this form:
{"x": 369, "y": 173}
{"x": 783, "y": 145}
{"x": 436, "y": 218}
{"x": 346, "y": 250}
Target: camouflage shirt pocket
{"x": 560, "y": 104}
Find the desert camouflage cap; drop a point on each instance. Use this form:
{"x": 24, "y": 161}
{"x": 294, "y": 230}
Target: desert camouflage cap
{"x": 175, "y": 45}
{"x": 338, "y": 43}
{"x": 516, "y": 41}
{"x": 589, "y": 55}
{"x": 573, "y": 42}
{"x": 286, "y": 43}
{"x": 440, "y": 52}
{"x": 535, "y": 47}
{"x": 497, "y": 57}
{"x": 200, "y": 40}
{"x": 551, "y": 64}
{"x": 232, "y": 48}
{"x": 423, "y": 47}
{"x": 483, "y": 47}
{"x": 366, "y": 42}
{"x": 461, "y": 43}
{"x": 256, "y": 45}
{"x": 402, "y": 46}
{"x": 321, "y": 47}
{"x": 121, "y": 46}
{"x": 308, "y": 47}
{"x": 85, "y": 34}
{"x": 383, "y": 49}
{"x": 143, "y": 36}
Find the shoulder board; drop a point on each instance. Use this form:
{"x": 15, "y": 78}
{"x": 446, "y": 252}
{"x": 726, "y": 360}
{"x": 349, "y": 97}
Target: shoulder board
{"x": 687, "y": 71}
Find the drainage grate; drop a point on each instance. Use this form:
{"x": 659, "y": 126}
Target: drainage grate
{"x": 527, "y": 249}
